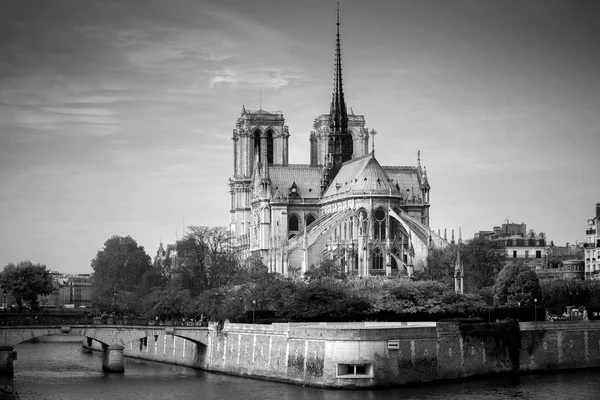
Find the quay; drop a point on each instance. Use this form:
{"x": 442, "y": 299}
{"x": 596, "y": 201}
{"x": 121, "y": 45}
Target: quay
{"x": 337, "y": 355}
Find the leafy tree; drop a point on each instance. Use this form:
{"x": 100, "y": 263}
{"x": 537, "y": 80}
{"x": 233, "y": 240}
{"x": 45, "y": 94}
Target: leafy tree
{"x": 324, "y": 301}
{"x": 258, "y": 284}
{"x": 165, "y": 302}
{"x": 206, "y": 260}
{"x": 25, "y": 281}
{"x": 439, "y": 265}
{"x": 560, "y": 293}
{"x": 482, "y": 259}
{"x": 326, "y": 269}
{"x": 517, "y": 285}
{"x": 119, "y": 269}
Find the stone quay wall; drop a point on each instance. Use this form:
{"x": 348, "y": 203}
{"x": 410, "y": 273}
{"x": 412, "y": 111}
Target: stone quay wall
{"x": 354, "y": 355}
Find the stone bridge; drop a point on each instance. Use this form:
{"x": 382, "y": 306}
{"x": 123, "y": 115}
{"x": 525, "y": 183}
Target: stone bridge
{"x": 112, "y": 337}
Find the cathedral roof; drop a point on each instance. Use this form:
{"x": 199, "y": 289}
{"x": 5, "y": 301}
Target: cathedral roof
{"x": 359, "y": 176}
{"x": 407, "y": 179}
{"x": 307, "y": 178}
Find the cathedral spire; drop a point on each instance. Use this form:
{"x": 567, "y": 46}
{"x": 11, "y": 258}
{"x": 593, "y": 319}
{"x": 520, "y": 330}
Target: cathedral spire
{"x": 340, "y": 140}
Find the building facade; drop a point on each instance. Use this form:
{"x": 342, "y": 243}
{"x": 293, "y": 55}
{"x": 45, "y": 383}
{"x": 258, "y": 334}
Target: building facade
{"x": 69, "y": 289}
{"x": 342, "y": 205}
{"x": 521, "y": 246}
{"x": 592, "y": 247}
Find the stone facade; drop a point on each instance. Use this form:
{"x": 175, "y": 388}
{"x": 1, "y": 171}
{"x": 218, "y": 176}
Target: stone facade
{"x": 592, "y": 247}
{"x": 342, "y": 205}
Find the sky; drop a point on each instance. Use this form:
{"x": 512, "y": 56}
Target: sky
{"x": 116, "y": 116}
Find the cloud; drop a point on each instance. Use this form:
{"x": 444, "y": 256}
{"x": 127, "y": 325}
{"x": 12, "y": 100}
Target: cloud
{"x": 81, "y": 111}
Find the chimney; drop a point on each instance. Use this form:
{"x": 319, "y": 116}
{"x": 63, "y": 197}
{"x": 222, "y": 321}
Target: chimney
{"x": 597, "y": 210}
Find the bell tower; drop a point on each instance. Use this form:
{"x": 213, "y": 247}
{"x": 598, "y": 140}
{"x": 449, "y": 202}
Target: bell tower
{"x": 260, "y": 138}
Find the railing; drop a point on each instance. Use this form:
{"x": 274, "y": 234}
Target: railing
{"x": 590, "y": 232}
{"x": 26, "y": 320}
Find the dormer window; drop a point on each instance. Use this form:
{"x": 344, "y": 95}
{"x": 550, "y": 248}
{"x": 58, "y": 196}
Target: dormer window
{"x": 293, "y": 191}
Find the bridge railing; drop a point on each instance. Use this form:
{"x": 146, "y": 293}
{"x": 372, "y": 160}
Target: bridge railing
{"x": 25, "y": 320}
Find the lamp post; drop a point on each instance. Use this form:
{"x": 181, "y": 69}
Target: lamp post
{"x": 253, "y": 309}
{"x": 535, "y": 310}
{"x": 114, "y": 300}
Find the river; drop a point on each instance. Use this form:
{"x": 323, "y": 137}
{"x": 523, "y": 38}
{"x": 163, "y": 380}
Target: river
{"x": 60, "y": 370}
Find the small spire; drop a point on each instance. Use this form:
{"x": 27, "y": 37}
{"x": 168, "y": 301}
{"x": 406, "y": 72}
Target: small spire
{"x": 459, "y": 235}
{"x": 373, "y": 133}
{"x": 419, "y": 158}
{"x": 260, "y": 98}
{"x": 243, "y": 110}
{"x": 452, "y": 239}
{"x": 445, "y": 237}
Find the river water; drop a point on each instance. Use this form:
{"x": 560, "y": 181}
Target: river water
{"x": 60, "y": 370}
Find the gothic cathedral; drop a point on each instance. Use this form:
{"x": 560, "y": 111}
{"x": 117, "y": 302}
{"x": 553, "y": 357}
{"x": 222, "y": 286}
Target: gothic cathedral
{"x": 342, "y": 206}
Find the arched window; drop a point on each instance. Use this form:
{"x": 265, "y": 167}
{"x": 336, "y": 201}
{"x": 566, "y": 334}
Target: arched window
{"x": 310, "y": 219}
{"x": 256, "y": 149}
{"x": 379, "y": 225}
{"x": 394, "y": 227}
{"x": 395, "y": 255}
{"x": 293, "y": 224}
{"x": 270, "y": 146}
{"x": 377, "y": 259}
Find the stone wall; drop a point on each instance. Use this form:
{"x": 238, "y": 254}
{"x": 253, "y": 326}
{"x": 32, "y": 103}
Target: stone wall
{"x": 380, "y": 354}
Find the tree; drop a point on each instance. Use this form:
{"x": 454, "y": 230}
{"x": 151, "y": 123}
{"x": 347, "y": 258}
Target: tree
{"x": 25, "y": 281}
{"x": 482, "y": 259}
{"x": 440, "y": 265}
{"x": 205, "y": 259}
{"x": 119, "y": 269}
{"x": 326, "y": 269}
{"x": 517, "y": 285}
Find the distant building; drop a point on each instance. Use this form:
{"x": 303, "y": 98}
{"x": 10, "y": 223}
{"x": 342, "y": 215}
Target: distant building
{"x": 529, "y": 248}
{"x": 564, "y": 262}
{"x": 567, "y": 269}
{"x": 592, "y": 247}
{"x": 69, "y": 289}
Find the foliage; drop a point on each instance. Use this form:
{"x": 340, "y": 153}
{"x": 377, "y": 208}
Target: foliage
{"x": 487, "y": 295}
{"x": 482, "y": 259}
{"x": 404, "y": 297}
{"x": 166, "y": 302}
{"x": 324, "y": 301}
{"x": 326, "y": 269}
{"x": 205, "y": 260}
{"x": 560, "y": 293}
{"x": 217, "y": 305}
{"x": 440, "y": 265}
{"x": 118, "y": 268}
{"x": 517, "y": 285}
{"x": 25, "y": 281}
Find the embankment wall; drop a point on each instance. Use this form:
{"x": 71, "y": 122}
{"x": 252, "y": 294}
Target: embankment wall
{"x": 380, "y": 354}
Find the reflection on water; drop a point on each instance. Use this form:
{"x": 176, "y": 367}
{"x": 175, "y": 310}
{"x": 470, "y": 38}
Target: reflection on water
{"x": 62, "y": 371}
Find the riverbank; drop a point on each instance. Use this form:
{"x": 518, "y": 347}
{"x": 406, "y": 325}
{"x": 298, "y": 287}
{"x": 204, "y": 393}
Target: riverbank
{"x": 361, "y": 355}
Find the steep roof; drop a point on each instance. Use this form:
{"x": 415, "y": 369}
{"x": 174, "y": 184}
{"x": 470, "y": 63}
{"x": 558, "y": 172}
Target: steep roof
{"x": 307, "y": 178}
{"x": 407, "y": 179}
{"x": 359, "y": 176}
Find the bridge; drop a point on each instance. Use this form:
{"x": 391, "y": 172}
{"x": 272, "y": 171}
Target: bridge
{"x": 113, "y": 339}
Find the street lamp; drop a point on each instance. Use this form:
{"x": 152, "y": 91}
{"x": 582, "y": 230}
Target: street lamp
{"x": 253, "y": 309}
{"x": 115, "y": 300}
{"x": 535, "y": 310}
